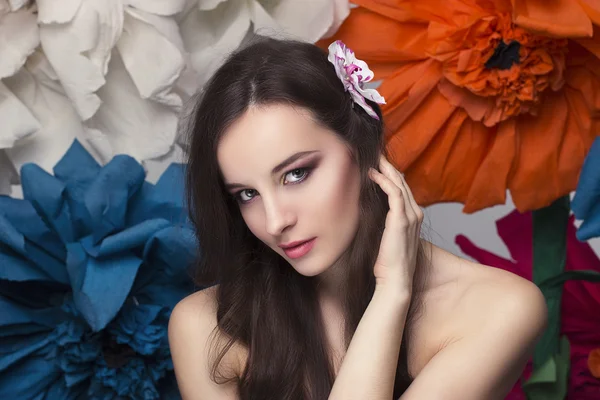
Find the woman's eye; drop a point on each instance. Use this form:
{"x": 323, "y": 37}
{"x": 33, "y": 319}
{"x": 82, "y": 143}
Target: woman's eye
{"x": 296, "y": 175}
{"x": 246, "y": 195}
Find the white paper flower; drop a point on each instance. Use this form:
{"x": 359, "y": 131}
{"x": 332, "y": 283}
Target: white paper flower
{"x": 211, "y": 29}
{"x": 101, "y": 71}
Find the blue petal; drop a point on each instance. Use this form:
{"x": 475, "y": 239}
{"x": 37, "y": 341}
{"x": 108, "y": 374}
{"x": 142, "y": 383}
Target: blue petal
{"x": 590, "y": 227}
{"x": 128, "y": 239}
{"x": 175, "y": 246}
{"x": 107, "y": 197}
{"x": 587, "y": 195}
{"x": 28, "y": 379}
{"x": 100, "y": 286}
{"x": 164, "y": 200}
{"x": 16, "y": 350}
{"x": 21, "y": 260}
{"x": 77, "y": 169}
{"x": 48, "y": 196}
{"x": 14, "y": 314}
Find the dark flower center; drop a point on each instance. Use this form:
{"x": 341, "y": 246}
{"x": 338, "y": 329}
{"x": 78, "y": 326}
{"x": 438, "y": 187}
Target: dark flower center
{"x": 505, "y": 55}
{"x": 116, "y": 354}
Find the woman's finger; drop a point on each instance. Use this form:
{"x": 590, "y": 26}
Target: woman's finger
{"x": 392, "y": 173}
{"x": 395, "y": 197}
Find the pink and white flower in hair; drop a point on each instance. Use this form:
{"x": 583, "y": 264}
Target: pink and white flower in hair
{"x": 354, "y": 73}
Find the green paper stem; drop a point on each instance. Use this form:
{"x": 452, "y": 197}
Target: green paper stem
{"x": 549, "y": 256}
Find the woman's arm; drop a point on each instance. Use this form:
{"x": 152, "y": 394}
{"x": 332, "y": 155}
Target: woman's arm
{"x": 369, "y": 367}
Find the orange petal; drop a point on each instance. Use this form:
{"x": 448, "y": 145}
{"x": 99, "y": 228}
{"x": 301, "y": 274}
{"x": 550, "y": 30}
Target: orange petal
{"x": 412, "y": 137}
{"x": 592, "y": 44}
{"x": 594, "y": 363}
{"x": 400, "y": 10}
{"x": 536, "y": 181}
{"x": 396, "y": 42}
{"x": 406, "y": 89}
{"x": 592, "y": 8}
{"x": 584, "y": 80}
{"x": 443, "y": 172}
{"x": 557, "y": 18}
{"x": 479, "y": 108}
{"x": 489, "y": 185}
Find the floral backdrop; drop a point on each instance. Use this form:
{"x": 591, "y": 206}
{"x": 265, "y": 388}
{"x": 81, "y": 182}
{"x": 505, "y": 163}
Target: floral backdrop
{"x": 491, "y": 105}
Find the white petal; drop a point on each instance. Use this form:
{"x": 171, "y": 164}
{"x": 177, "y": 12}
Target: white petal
{"x": 46, "y": 100}
{"x": 8, "y": 174}
{"x": 206, "y": 5}
{"x": 301, "y": 21}
{"x": 341, "y": 10}
{"x": 153, "y": 62}
{"x": 80, "y": 51}
{"x": 19, "y": 36}
{"x": 17, "y": 4}
{"x": 141, "y": 128}
{"x": 210, "y": 36}
{"x": 57, "y": 11}
{"x": 159, "y": 7}
{"x": 17, "y": 121}
{"x": 263, "y": 22}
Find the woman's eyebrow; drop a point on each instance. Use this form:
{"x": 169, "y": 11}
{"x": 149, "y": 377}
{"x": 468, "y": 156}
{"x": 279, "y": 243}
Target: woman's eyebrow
{"x": 294, "y": 157}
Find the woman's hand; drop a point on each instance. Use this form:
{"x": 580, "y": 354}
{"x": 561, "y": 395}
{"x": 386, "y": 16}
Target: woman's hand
{"x": 395, "y": 265}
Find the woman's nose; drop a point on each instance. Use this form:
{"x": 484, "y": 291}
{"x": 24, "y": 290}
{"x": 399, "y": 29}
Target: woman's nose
{"x": 278, "y": 217}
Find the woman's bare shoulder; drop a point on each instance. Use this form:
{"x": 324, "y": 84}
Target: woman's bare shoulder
{"x": 460, "y": 296}
{"x": 194, "y": 321}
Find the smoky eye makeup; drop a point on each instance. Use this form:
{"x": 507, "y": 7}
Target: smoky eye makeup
{"x": 305, "y": 166}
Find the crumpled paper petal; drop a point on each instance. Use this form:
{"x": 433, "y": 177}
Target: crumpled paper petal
{"x": 210, "y": 35}
{"x": 142, "y": 44}
{"x": 299, "y": 21}
{"x": 8, "y": 174}
{"x": 80, "y": 50}
{"x": 18, "y": 122}
{"x": 56, "y": 121}
{"x": 586, "y": 203}
{"x": 19, "y": 37}
{"x": 140, "y": 128}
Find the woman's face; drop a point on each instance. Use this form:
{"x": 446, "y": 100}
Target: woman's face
{"x": 294, "y": 181}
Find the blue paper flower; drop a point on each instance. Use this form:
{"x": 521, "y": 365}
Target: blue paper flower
{"x": 586, "y": 203}
{"x": 92, "y": 261}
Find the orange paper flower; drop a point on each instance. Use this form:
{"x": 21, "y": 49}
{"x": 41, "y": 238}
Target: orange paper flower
{"x": 484, "y": 95}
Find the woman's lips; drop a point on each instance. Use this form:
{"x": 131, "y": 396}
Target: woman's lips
{"x": 300, "y": 250}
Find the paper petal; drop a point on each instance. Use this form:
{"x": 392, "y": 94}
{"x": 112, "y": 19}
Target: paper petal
{"x": 19, "y": 37}
{"x": 210, "y": 36}
{"x": 40, "y": 373}
{"x": 107, "y": 197}
{"x": 44, "y": 97}
{"x": 341, "y": 10}
{"x": 206, "y": 5}
{"x": 16, "y": 5}
{"x": 80, "y": 51}
{"x": 153, "y": 62}
{"x": 8, "y": 174}
{"x": 17, "y": 121}
{"x": 50, "y": 13}
{"x": 141, "y": 128}
{"x": 158, "y": 7}
{"x": 48, "y": 196}
{"x": 100, "y": 286}
{"x": 302, "y": 22}
{"x": 26, "y": 236}
{"x": 130, "y": 238}
{"x": 587, "y": 195}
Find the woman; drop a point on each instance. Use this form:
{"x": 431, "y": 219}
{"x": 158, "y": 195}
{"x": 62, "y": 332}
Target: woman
{"x": 324, "y": 288}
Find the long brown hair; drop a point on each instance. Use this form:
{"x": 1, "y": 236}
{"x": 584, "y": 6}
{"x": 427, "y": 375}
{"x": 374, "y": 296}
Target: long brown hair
{"x": 263, "y": 303}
